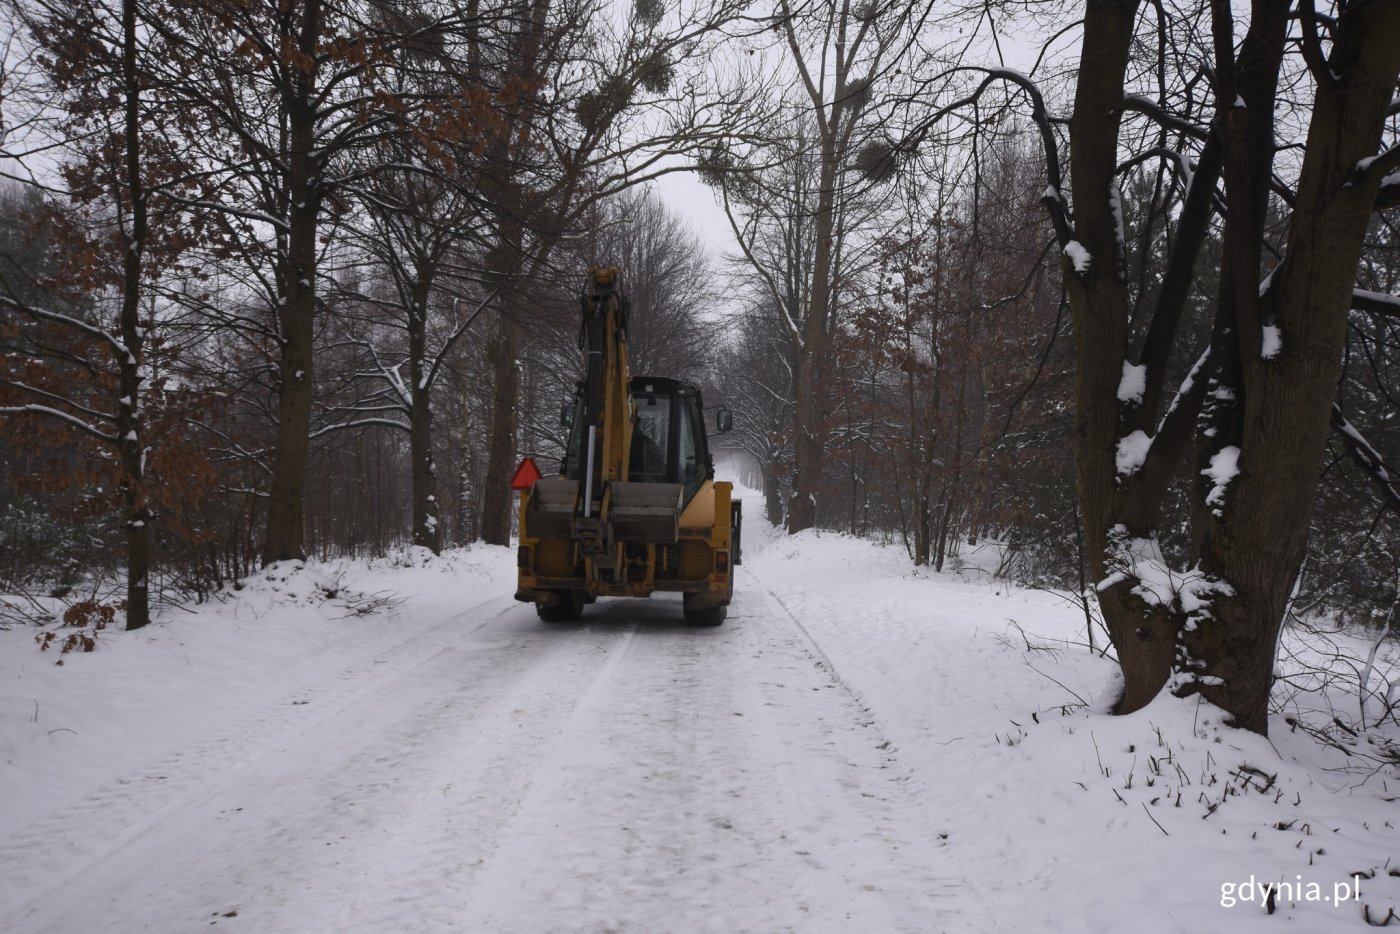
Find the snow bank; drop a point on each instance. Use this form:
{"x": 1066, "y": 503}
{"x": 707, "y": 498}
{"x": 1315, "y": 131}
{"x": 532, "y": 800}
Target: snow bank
{"x": 252, "y": 654}
{"x": 1063, "y": 816}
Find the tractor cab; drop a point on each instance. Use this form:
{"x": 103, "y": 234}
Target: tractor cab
{"x": 668, "y": 443}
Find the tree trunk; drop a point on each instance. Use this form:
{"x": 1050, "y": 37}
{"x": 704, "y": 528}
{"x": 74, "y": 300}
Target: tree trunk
{"x": 296, "y": 316}
{"x": 284, "y": 539}
{"x": 467, "y": 507}
{"x": 130, "y": 424}
{"x": 496, "y": 498}
{"x": 1099, "y": 303}
{"x": 772, "y": 496}
{"x": 802, "y": 501}
{"x": 1257, "y": 543}
{"x": 809, "y": 433}
{"x": 427, "y": 527}
{"x": 947, "y": 521}
{"x": 922, "y": 526}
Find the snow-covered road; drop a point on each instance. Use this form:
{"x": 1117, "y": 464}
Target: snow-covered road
{"x": 495, "y": 773}
{"x": 396, "y": 746}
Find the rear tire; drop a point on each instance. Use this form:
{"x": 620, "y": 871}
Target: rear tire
{"x": 567, "y": 610}
{"x": 710, "y": 615}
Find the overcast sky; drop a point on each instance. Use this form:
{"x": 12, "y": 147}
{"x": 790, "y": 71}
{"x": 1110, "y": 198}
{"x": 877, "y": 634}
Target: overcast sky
{"x": 696, "y": 204}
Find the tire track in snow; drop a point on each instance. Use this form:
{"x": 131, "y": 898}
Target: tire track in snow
{"x": 488, "y": 782}
{"x": 402, "y": 790}
{"x": 716, "y": 780}
{"x": 628, "y": 773}
{"x": 41, "y": 857}
{"x": 920, "y": 814}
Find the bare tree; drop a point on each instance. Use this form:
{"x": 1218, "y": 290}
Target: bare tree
{"x": 755, "y": 372}
{"x": 1259, "y": 399}
{"x": 422, "y": 230}
{"x": 281, "y": 97}
{"x": 87, "y": 368}
{"x": 670, "y": 286}
{"x": 844, "y": 59}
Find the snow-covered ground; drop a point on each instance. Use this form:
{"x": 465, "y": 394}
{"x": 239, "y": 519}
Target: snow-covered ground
{"x": 858, "y": 748}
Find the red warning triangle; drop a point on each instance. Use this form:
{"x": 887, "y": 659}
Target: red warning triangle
{"x": 525, "y": 475}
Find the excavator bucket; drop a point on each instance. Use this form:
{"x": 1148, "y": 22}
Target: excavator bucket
{"x": 550, "y": 510}
{"x": 646, "y": 513}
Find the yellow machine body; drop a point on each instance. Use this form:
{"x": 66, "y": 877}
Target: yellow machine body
{"x": 636, "y": 508}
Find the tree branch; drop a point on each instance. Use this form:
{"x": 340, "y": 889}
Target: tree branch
{"x": 1366, "y": 457}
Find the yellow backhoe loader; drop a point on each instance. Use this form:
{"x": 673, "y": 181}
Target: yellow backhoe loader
{"x": 635, "y": 508}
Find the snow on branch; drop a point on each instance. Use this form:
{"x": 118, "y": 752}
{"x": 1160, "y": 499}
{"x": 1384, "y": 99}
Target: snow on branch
{"x": 1270, "y": 342}
{"x": 258, "y": 458}
{"x": 1133, "y": 384}
{"x": 431, "y": 373}
{"x": 1180, "y": 161}
{"x": 1139, "y": 451}
{"x": 1389, "y": 194}
{"x": 1366, "y": 457}
{"x": 36, "y": 409}
{"x": 1079, "y": 257}
{"x": 388, "y": 374}
{"x": 1266, "y": 285}
{"x": 1132, "y": 452}
{"x": 1224, "y": 467}
{"x": 1384, "y": 164}
{"x": 391, "y": 375}
{"x": 68, "y": 321}
{"x": 1146, "y": 106}
{"x": 1378, "y": 303}
{"x": 1187, "y": 384}
{"x": 223, "y": 207}
{"x": 359, "y": 423}
{"x": 224, "y": 490}
{"x": 69, "y": 403}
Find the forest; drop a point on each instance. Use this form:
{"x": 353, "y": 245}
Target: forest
{"x": 1113, "y": 285}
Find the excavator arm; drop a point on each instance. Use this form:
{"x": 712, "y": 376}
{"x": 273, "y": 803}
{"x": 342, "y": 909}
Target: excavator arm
{"x": 607, "y": 407}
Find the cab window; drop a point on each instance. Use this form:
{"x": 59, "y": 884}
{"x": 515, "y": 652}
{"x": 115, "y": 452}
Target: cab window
{"x": 651, "y": 438}
{"x": 691, "y": 448}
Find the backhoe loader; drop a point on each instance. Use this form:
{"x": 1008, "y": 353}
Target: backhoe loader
{"x": 635, "y": 507}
